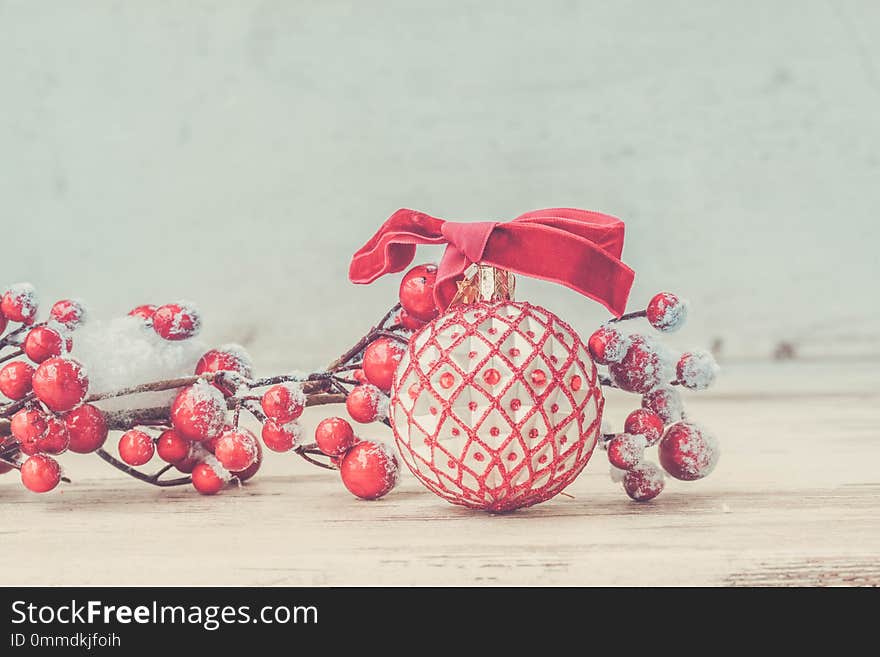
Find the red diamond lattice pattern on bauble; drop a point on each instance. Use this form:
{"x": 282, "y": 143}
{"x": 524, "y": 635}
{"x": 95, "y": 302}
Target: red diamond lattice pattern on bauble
{"x": 496, "y": 405}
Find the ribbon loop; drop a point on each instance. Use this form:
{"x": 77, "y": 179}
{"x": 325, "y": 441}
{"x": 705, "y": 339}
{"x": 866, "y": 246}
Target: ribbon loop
{"x": 576, "y": 248}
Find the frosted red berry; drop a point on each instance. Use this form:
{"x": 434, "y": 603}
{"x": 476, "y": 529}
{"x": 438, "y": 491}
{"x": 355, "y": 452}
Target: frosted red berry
{"x": 688, "y": 452}
{"x": 60, "y": 383}
{"x": 251, "y": 470}
{"x": 56, "y": 439}
{"x": 236, "y": 450}
{"x": 641, "y": 369}
{"x": 206, "y": 480}
{"x": 144, "y": 312}
{"x": 666, "y": 312}
{"x": 70, "y": 313}
{"x": 696, "y": 370}
{"x": 642, "y": 422}
{"x": 381, "y": 358}
{"x": 15, "y": 379}
{"x": 607, "y": 345}
{"x": 417, "y": 292}
{"x": 283, "y": 402}
{"x": 43, "y": 343}
{"x": 369, "y": 470}
{"x": 409, "y": 322}
{"x": 136, "y": 447}
{"x": 199, "y": 412}
{"x": 40, "y": 473}
{"x": 625, "y": 451}
{"x": 176, "y": 321}
{"x": 665, "y": 402}
{"x": 19, "y": 303}
{"x": 363, "y": 403}
{"x": 281, "y": 437}
{"x": 228, "y": 358}
{"x": 87, "y": 428}
{"x": 334, "y": 436}
{"x": 644, "y": 482}
{"x": 172, "y": 447}
{"x": 27, "y": 426}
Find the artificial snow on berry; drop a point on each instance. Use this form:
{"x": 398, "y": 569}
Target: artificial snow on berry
{"x": 281, "y": 437}
{"x": 205, "y": 477}
{"x": 625, "y": 451}
{"x": 369, "y": 470}
{"x": 43, "y": 343}
{"x": 688, "y": 452}
{"x": 607, "y": 345}
{"x": 228, "y": 358}
{"x": 144, "y": 312}
{"x": 136, "y": 447}
{"x": 87, "y": 428}
{"x": 417, "y": 292}
{"x": 697, "y": 370}
{"x": 20, "y": 303}
{"x": 236, "y": 450}
{"x": 665, "y": 402}
{"x": 334, "y": 436}
{"x": 283, "y": 402}
{"x": 643, "y": 422}
{"x": 641, "y": 369}
{"x": 70, "y": 313}
{"x": 40, "y": 473}
{"x": 60, "y": 383}
{"x": 366, "y": 403}
{"x": 666, "y": 312}
{"x": 644, "y": 482}
{"x": 15, "y": 379}
{"x": 177, "y": 321}
{"x": 199, "y": 412}
{"x": 172, "y": 447}
{"x": 381, "y": 358}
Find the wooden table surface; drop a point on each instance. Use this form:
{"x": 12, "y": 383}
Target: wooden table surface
{"x": 794, "y": 500}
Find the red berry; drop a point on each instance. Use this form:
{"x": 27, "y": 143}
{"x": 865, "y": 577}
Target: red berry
{"x": 607, "y": 345}
{"x": 43, "y": 343}
{"x": 281, "y": 437}
{"x": 665, "y": 402}
{"x": 283, "y": 402}
{"x": 228, "y": 358}
{"x": 642, "y": 422}
{"x": 172, "y": 447}
{"x": 381, "y": 358}
{"x": 40, "y": 474}
{"x": 70, "y": 313}
{"x": 199, "y": 412}
{"x": 359, "y": 376}
{"x": 206, "y": 480}
{"x": 60, "y": 383}
{"x": 19, "y": 303}
{"x": 236, "y": 450}
{"x": 27, "y": 427}
{"x": 145, "y": 312}
{"x": 56, "y": 440}
{"x": 696, "y": 370}
{"x": 369, "y": 470}
{"x": 186, "y": 465}
{"x": 417, "y": 292}
{"x": 87, "y": 428}
{"x": 625, "y": 451}
{"x": 409, "y": 322}
{"x": 251, "y": 470}
{"x": 644, "y": 482}
{"x": 666, "y": 312}
{"x": 688, "y": 452}
{"x": 334, "y": 436}
{"x": 177, "y": 321}
{"x": 365, "y": 403}
{"x": 15, "y": 379}
{"x": 641, "y": 369}
{"x": 136, "y": 447}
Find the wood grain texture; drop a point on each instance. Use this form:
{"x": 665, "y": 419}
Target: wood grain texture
{"x": 794, "y": 501}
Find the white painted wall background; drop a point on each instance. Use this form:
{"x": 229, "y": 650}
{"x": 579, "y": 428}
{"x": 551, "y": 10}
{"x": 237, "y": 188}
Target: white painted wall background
{"x": 238, "y": 152}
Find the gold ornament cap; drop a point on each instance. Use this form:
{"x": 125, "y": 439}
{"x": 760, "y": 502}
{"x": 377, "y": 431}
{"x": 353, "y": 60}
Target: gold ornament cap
{"x": 484, "y": 283}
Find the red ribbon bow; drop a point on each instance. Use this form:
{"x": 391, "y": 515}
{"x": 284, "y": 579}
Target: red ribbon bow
{"x": 576, "y": 248}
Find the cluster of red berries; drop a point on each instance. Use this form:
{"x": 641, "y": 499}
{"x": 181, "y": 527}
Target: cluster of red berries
{"x": 641, "y": 364}
{"x": 368, "y": 468}
{"x": 173, "y": 321}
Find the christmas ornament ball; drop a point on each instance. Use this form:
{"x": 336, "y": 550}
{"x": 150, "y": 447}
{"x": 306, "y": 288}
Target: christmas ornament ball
{"x": 496, "y": 405}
